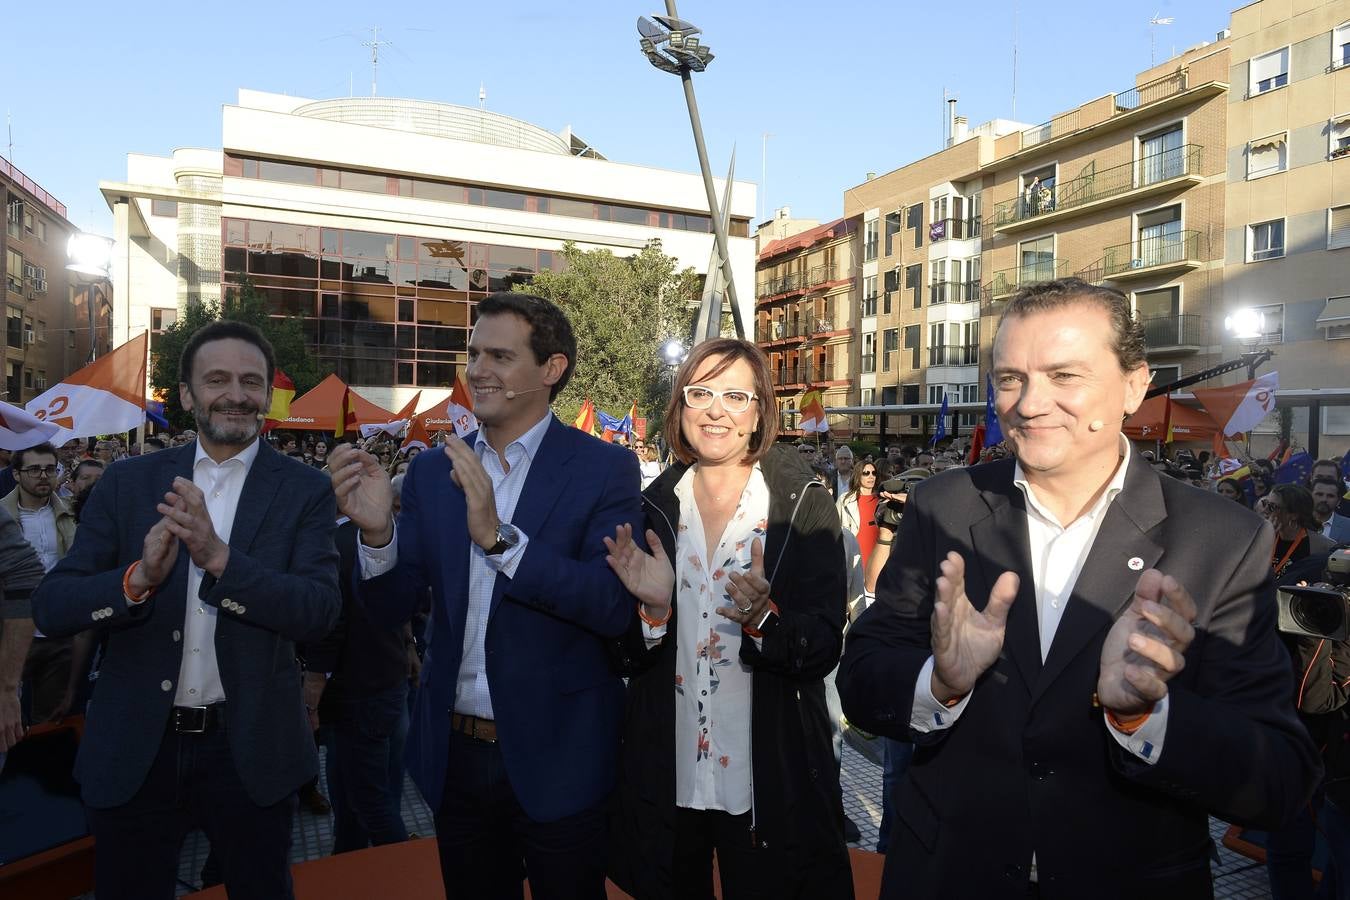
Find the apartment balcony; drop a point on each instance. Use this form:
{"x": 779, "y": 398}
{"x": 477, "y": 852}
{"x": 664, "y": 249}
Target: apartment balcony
{"x": 953, "y": 292}
{"x": 1157, "y": 173}
{"x": 1180, "y": 334}
{"x": 1007, "y": 282}
{"x": 953, "y": 230}
{"x": 788, "y": 331}
{"x": 1150, "y": 257}
{"x": 955, "y": 355}
{"x": 812, "y": 373}
{"x": 780, "y": 288}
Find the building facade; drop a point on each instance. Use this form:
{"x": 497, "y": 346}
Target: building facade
{"x": 379, "y": 223}
{"x": 55, "y": 321}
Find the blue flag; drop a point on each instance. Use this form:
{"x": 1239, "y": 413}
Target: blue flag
{"x": 942, "y": 423}
{"x": 993, "y": 434}
{"x": 613, "y": 424}
{"x": 1295, "y": 470}
{"x": 154, "y": 411}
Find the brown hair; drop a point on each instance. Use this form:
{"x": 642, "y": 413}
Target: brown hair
{"x": 1127, "y": 336}
{"x": 730, "y": 350}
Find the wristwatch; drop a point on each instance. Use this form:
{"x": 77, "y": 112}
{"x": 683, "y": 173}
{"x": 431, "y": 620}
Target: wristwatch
{"x": 507, "y": 537}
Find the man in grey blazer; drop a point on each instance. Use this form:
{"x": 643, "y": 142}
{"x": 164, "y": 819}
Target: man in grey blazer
{"x": 1086, "y": 664}
{"x": 205, "y": 564}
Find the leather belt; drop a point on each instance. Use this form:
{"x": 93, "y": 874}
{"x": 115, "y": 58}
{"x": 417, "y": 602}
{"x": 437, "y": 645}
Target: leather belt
{"x": 474, "y": 727}
{"x": 198, "y": 719}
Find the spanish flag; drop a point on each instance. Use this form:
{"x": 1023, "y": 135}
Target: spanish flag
{"x": 283, "y": 392}
{"x": 585, "y": 419}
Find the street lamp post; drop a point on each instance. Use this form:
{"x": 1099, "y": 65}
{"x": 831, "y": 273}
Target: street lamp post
{"x": 672, "y": 45}
{"x": 1248, "y": 326}
{"x": 90, "y": 260}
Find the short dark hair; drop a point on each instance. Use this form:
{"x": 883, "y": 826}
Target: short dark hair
{"x": 43, "y": 449}
{"x": 223, "y": 329}
{"x": 730, "y": 349}
{"x": 86, "y": 462}
{"x": 550, "y": 330}
{"x": 1326, "y": 479}
{"x": 1127, "y": 336}
{"x": 157, "y": 442}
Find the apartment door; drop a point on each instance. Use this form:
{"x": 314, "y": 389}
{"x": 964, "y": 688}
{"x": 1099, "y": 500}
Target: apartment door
{"x": 1038, "y": 260}
{"x": 1159, "y": 236}
{"x": 1161, "y": 156}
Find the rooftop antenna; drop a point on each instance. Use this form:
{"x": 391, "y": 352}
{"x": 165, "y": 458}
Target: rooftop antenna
{"x": 375, "y": 44}
{"x": 9, "y": 126}
{"x": 1014, "y": 72}
{"x": 1153, "y": 24}
{"x": 763, "y": 172}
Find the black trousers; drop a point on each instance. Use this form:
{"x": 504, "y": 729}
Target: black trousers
{"x": 193, "y": 782}
{"x": 488, "y": 844}
{"x": 698, "y": 833}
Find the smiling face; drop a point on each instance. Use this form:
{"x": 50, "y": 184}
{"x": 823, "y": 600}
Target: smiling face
{"x": 716, "y": 436}
{"x": 500, "y": 360}
{"x": 228, "y": 392}
{"x": 1056, "y": 375}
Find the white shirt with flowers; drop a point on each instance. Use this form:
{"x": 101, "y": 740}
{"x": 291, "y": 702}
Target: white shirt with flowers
{"x": 712, "y": 685}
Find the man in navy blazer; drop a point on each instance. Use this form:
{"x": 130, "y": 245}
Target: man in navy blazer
{"x": 205, "y": 564}
{"x": 515, "y": 738}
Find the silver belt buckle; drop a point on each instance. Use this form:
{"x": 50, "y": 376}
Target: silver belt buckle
{"x": 190, "y": 719}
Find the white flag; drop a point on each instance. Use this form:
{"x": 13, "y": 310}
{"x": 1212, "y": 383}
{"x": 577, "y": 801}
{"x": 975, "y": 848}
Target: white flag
{"x": 105, "y": 397}
{"x": 20, "y": 430}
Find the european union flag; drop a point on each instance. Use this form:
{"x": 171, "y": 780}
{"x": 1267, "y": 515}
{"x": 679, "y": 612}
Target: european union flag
{"x": 613, "y": 423}
{"x": 1295, "y": 470}
{"x": 942, "y": 423}
{"x": 993, "y": 434}
{"x": 154, "y": 411}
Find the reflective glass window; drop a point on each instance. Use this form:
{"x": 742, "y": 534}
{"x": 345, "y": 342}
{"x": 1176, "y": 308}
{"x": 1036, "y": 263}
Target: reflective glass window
{"x": 367, "y": 244}
{"x": 430, "y": 374}
{"x": 370, "y": 182}
{"x": 439, "y": 191}
{"x": 291, "y": 173}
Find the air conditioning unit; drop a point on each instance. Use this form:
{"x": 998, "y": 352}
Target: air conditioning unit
{"x": 30, "y": 271}
{"x": 1136, "y": 263}
{"x": 39, "y": 285}
{"x": 29, "y": 337}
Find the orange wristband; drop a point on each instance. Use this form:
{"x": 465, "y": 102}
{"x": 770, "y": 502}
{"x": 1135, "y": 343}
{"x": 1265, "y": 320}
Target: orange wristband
{"x": 1129, "y": 724}
{"x": 642, "y": 614}
{"x": 126, "y": 586}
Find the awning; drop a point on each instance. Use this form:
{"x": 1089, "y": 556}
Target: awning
{"x": 1337, "y": 312}
{"x": 1188, "y": 424}
{"x": 318, "y": 409}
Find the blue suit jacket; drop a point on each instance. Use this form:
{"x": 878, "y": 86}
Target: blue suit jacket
{"x": 282, "y": 577}
{"x": 557, "y": 701}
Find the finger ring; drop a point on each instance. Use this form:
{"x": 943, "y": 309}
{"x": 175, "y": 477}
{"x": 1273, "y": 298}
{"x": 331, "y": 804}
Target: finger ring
{"x": 746, "y": 609}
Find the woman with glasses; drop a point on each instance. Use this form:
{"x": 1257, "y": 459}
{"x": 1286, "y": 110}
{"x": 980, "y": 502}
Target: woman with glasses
{"x": 858, "y": 507}
{"x": 726, "y": 744}
{"x": 1289, "y": 510}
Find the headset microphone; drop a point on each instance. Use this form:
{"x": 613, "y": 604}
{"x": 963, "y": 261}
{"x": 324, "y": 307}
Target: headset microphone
{"x": 511, "y": 395}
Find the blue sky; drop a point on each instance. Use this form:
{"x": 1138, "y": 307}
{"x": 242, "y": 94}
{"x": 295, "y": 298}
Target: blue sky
{"x": 844, "y": 88}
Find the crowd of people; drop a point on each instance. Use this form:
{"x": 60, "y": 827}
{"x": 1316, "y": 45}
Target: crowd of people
{"x": 606, "y": 661}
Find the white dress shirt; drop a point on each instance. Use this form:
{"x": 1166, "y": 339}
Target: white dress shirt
{"x": 222, "y": 483}
{"x": 472, "y": 691}
{"x": 39, "y": 529}
{"x": 1058, "y": 553}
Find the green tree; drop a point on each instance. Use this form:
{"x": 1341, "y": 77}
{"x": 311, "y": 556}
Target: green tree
{"x": 243, "y": 305}
{"x": 622, "y": 309}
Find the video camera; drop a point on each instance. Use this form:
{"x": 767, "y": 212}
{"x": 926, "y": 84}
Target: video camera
{"x": 890, "y": 511}
{"x": 1320, "y": 610}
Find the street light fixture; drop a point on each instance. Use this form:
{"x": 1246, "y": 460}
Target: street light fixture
{"x": 673, "y": 45}
{"x": 673, "y": 353}
{"x": 1248, "y": 327}
{"x": 90, "y": 260}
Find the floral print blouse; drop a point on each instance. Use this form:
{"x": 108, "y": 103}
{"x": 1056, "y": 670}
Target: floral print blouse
{"x": 712, "y": 685}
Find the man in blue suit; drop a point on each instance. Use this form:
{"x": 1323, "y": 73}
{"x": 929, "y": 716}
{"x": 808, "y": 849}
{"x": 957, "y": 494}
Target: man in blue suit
{"x": 205, "y": 564}
{"x": 515, "y": 738}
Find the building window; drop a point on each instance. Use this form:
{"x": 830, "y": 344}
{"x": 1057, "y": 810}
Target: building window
{"x": 914, "y": 219}
{"x": 1164, "y": 375}
{"x": 1340, "y": 137}
{"x": 1267, "y": 156}
{"x": 41, "y": 333}
{"x": 14, "y": 329}
{"x": 1265, "y": 240}
{"x": 1340, "y": 46}
{"x": 870, "y": 240}
{"x": 1272, "y": 323}
{"x": 868, "y": 363}
{"x": 890, "y": 343}
{"x": 41, "y": 231}
{"x": 869, "y": 398}
{"x": 1161, "y": 156}
{"x": 14, "y": 219}
{"x": 912, "y": 335}
{"x": 1160, "y": 236}
{"x": 1338, "y": 227}
{"x": 1269, "y": 72}
{"x": 914, "y": 282}
{"x": 14, "y": 269}
{"x": 869, "y": 299}
{"x": 892, "y": 228}
{"x": 166, "y": 208}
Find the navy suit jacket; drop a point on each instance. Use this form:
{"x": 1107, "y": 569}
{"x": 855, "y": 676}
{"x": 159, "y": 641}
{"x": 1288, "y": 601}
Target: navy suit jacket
{"x": 557, "y": 701}
{"x": 282, "y": 579}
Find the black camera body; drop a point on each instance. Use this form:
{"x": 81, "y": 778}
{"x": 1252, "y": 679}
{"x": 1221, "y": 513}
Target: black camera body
{"x": 890, "y": 511}
{"x": 1320, "y": 610}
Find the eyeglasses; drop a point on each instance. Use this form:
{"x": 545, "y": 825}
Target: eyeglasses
{"x": 1266, "y": 505}
{"x": 35, "y": 471}
{"x": 869, "y": 473}
{"x": 733, "y": 401}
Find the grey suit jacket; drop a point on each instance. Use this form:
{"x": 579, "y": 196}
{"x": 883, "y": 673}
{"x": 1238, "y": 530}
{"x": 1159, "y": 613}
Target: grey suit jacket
{"x": 281, "y": 587}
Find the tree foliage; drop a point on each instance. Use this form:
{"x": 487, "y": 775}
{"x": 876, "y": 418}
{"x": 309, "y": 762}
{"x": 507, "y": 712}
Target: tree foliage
{"x": 623, "y": 309}
{"x": 242, "y": 305}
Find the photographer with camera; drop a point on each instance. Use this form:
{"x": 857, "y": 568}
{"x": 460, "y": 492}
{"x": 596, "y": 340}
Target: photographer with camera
{"x": 1314, "y": 621}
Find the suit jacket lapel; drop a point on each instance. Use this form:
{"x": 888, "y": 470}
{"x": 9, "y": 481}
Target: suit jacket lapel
{"x": 1001, "y": 545}
{"x": 260, "y": 487}
{"x": 1106, "y": 582}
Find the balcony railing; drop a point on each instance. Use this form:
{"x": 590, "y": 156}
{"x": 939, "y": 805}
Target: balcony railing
{"x": 1156, "y": 168}
{"x": 1175, "y": 332}
{"x": 1124, "y": 101}
{"x": 953, "y": 230}
{"x": 781, "y": 331}
{"x": 1147, "y": 253}
{"x": 772, "y": 287}
{"x": 1007, "y": 282}
{"x": 953, "y": 292}
{"x": 955, "y": 355}
{"x": 820, "y": 372}
{"x": 13, "y": 173}
{"x": 818, "y": 275}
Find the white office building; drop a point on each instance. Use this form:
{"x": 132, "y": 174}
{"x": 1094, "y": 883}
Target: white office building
{"x": 379, "y": 223}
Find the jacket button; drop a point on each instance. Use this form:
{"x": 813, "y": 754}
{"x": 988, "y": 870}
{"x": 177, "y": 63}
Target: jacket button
{"x": 1039, "y": 771}
{"x": 166, "y": 685}
{"x": 177, "y": 635}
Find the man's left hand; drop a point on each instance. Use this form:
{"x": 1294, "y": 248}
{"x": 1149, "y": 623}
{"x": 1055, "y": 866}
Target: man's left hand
{"x": 468, "y": 473}
{"x": 1145, "y": 648}
{"x": 184, "y": 508}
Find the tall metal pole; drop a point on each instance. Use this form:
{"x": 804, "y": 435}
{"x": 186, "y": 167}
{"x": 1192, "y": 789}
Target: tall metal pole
{"x": 719, "y": 233}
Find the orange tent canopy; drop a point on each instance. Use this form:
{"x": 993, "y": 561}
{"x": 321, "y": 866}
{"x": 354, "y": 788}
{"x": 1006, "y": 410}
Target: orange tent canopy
{"x": 318, "y": 409}
{"x": 1150, "y": 421}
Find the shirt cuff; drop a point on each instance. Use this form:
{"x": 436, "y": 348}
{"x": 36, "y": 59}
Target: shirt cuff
{"x": 930, "y": 713}
{"x": 653, "y": 634}
{"x": 508, "y": 561}
{"x": 375, "y": 561}
{"x": 1147, "y": 741}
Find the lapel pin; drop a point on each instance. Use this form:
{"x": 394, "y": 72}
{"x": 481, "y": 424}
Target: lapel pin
{"x": 1135, "y": 564}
